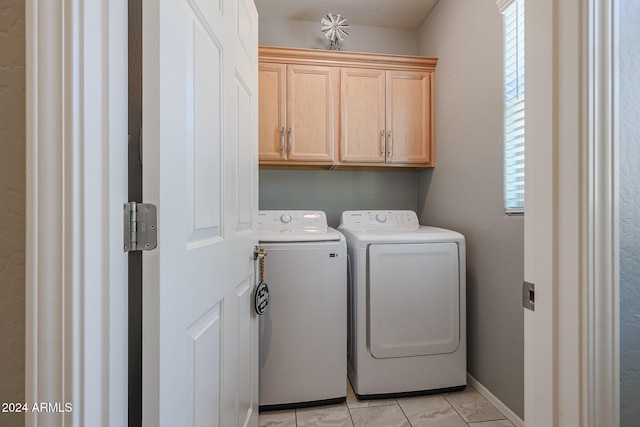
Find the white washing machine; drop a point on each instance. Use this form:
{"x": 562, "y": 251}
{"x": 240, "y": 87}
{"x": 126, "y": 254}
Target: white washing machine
{"x": 303, "y": 334}
{"x": 407, "y": 310}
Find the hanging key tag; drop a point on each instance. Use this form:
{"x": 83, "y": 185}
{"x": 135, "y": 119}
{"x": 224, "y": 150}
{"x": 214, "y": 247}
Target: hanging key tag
{"x": 261, "y": 298}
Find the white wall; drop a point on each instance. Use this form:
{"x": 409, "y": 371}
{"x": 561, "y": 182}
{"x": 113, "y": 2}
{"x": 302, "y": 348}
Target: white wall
{"x": 12, "y": 206}
{"x": 629, "y": 213}
{"x": 464, "y": 191}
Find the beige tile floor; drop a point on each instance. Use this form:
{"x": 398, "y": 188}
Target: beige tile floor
{"x": 465, "y": 408}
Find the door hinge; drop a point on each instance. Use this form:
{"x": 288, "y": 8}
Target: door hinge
{"x": 140, "y": 227}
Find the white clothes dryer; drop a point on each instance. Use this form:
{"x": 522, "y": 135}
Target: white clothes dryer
{"x": 303, "y": 334}
{"x": 406, "y": 305}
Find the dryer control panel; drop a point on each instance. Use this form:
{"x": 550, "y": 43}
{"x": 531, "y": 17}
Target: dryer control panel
{"x": 380, "y": 220}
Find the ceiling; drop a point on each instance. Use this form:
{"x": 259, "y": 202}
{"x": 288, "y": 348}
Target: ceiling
{"x": 380, "y": 13}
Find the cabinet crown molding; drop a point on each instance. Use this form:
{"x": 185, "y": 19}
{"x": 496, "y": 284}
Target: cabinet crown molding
{"x": 287, "y": 55}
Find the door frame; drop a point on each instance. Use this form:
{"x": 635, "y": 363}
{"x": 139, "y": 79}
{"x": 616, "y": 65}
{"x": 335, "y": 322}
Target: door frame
{"x": 76, "y": 298}
{"x": 76, "y": 270}
{"x": 571, "y": 339}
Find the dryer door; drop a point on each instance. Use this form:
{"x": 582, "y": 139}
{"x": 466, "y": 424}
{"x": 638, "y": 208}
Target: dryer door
{"x": 414, "y": 299}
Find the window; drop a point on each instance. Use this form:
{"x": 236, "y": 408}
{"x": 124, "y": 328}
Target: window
{"x": 513, "y": 105}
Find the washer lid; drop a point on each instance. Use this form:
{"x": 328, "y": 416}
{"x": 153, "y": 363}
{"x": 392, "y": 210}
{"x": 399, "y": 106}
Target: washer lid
{"x": 295, "y": 226}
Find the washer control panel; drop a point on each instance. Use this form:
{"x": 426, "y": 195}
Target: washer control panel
{"x": 384, "y": 220}
{"x": 292, "y": 220}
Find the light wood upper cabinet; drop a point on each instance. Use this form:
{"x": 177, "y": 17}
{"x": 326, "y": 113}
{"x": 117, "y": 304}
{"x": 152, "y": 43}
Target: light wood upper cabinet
{"x": 344, "y": 109}
{"x": 297, "y": 113}
{"x": 386, "y": 117}
{"x": 409, "y": 125}
{"x": 271, "y": 111}
{"x": 311, "y": 113}
{"x": 362, "y": 115}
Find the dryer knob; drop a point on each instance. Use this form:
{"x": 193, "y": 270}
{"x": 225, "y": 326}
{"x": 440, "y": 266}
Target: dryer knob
{"x": 286, "y": 218}
{"x": 381, "y": 217}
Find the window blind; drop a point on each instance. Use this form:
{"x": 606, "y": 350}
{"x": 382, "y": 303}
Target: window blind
{"x": 514, "y": 114}
{"x": 504, "y": 4}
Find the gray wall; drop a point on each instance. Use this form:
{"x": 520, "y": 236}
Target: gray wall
{"x": 629, "y": 213}
{"x": 336, "y": 191}
{"x": 464, "y": 192}
{"x": 362, "y": 38}
{"x": 12, "y": 206}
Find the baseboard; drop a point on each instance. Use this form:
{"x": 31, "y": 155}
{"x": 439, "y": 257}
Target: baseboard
{"x": 484, "y": 392}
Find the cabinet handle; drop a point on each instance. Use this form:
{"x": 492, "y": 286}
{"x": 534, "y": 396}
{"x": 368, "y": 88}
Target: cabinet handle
{"x": 290, "y": 141}
{"x": 390, "y": 145}
{"x": 282, "y": 140}
{"x": 384, "y": 143}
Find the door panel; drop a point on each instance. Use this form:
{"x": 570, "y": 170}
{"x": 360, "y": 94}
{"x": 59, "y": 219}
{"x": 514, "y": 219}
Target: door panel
{"x": 204, "y": 133}
{"x": 247, "y": 353}
{"x": 413, "y": 299}
{"x": 206, "y": 345}
{"x": 200, "y": 168}
{"x": 244, "y": 154}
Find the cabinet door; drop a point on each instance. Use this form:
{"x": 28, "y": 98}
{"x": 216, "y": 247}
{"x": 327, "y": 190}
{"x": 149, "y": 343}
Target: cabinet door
{"x": 409, "y": 117}
{"x": 311, "y": 113}
{"x": 362, "y": 116}
{"x": 271, "y": 118}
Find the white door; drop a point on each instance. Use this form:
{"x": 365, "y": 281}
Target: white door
{"x": 200, "y": 85}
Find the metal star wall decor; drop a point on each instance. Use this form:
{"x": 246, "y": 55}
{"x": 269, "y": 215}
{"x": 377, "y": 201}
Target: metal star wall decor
{"x": 335, "y": 28}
